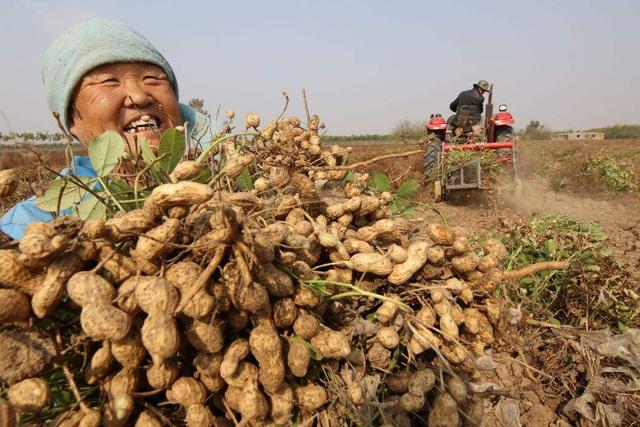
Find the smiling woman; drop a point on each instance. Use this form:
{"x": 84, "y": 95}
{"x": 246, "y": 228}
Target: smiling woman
{"x": 99, "y": 76}
{"x": 134, "y": 99}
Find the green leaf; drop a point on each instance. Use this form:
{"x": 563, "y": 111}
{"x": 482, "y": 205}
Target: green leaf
{"x": 286, "y": 269}
{"x": 149, "y": 158}
{"x": 554, "y": 321}
{"x": 380, "y": 182}
{"x": 371, "y": 317}
{"x": 313, "y": 353}
{"x": 244, "y": 180}
{"x": 349, "y": 177}
{"x": 121, "y": 190}
{"x": 395, "y": 209}
{"x": 408, "y": 188}
{"x": 64, "y": 190}
{"x": 408, "y": 213}
{"x": 147, "y": 152}
{"x": 551, "y": 246}
{"x": 318, "y": 286}
{"x": 62, "y": 397}
{"x": 393, "y": 362}
{"x": 172, "y": 145}
{"x": 203, "y": 177}
{"x": 585, "y": 256}
{"x": 606, "y": 252}
{"x": 92, "y": 208}
{"x": 527, "y": 281}
{"x": 105, "y": 152}
{"x": 403, "y": 205}
{"x": 119, "y": 187}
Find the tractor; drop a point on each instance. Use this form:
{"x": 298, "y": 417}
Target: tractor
{"x": 457, "y": 133}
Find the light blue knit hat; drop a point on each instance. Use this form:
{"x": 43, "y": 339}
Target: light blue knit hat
{"x": 88, "y": 45}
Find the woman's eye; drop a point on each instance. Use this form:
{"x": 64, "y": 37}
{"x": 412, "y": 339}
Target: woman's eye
{"x": 110, "y": 80}
{"x": 154, "y": 79}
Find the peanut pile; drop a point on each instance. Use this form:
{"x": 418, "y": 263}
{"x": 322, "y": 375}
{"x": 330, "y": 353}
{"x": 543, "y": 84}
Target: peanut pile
{"x": 251, "y": 306}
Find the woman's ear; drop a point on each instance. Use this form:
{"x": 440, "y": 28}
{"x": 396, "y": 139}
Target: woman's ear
{"x": 72, "y": 128}
{"x": 72, "y": 115}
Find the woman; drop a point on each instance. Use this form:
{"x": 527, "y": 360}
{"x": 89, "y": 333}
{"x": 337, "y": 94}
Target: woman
{"x": 102, "y": 75}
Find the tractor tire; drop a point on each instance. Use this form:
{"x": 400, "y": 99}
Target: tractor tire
{"x": 432, "y": 158}
{"x": 505, "y": 134}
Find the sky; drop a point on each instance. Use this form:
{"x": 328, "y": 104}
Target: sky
{"x": 366, "y": 65}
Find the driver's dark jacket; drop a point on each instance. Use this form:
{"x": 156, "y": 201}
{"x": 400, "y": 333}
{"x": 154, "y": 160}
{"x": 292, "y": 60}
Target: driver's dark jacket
{"x": 471, "y": 99}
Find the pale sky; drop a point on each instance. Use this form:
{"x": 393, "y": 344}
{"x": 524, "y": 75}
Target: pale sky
{"x": 366, "y": 65}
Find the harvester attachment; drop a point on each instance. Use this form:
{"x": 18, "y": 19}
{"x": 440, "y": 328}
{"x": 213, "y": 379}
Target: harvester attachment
{"x": 465, "y": 176}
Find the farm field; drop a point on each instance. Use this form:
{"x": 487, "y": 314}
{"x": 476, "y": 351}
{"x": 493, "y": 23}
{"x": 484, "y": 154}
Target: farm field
{"x": 541, "y": 165}
{"x": 561, "y": 177}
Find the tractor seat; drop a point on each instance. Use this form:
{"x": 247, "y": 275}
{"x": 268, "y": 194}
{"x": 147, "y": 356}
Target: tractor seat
{"x": 466, "y": 117}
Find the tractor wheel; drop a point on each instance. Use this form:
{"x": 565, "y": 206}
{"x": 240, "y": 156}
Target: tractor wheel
{"x": 504, "y": 134}
{"x": 432, "y": 158}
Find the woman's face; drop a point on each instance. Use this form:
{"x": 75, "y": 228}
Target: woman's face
{"x": 117, "y": 96}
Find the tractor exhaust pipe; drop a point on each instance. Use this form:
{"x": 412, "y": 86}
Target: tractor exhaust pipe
{"x": 488, "y": 114}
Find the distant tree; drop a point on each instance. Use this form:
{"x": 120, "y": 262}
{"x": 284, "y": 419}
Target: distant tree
{"x": 620, "y": 131}
{"x": 407, "y": 130}
{"x": 533, "y": 126}
{"x": 536, "y": 130}
{"x": 198, "y": 105}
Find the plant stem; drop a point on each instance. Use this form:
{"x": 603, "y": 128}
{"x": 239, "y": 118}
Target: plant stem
{"x": 202, "y": 278}
{"x": 306, "y": 107}
{"x": 106, "y": 190}
{"x": 424, "y": 205}
{"x": 213, "y": 144}
{"x": 367, "y": 162}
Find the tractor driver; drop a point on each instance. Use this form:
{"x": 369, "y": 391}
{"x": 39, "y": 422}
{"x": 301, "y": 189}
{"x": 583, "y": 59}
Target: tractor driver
{"x": 468, "y": 106}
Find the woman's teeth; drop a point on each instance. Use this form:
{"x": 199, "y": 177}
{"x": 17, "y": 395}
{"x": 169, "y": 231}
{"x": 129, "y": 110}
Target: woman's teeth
{"x": 141, "y": 125}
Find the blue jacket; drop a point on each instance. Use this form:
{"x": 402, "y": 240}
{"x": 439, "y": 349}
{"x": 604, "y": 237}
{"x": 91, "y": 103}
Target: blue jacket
{"x": 26, "y": 212}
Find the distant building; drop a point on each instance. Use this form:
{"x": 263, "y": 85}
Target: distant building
{"x": 577, "y": 136}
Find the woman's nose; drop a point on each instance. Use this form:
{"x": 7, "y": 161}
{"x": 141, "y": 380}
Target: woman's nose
{"x": 136, "y": 95}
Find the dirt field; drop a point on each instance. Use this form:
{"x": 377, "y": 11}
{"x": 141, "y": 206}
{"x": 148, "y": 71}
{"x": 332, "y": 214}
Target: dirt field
{"x": 540, "y": 165}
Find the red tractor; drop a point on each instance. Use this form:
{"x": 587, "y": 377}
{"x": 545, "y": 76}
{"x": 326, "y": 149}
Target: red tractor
{"x": 495, "y": 134}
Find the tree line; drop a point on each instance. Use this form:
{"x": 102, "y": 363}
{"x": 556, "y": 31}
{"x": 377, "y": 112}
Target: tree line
{"x": 536, "y": 130}
{"x": 39, "y": 136}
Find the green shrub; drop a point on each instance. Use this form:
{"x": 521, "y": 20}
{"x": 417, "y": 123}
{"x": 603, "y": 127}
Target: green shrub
{"x": 620, "y": 131}
{"x": 615, "y": 176}
{"x": 408, "y": 130}
{"x": 595, "y": 287}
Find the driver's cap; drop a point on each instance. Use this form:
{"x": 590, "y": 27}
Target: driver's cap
{"x": 483, "y": 84}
